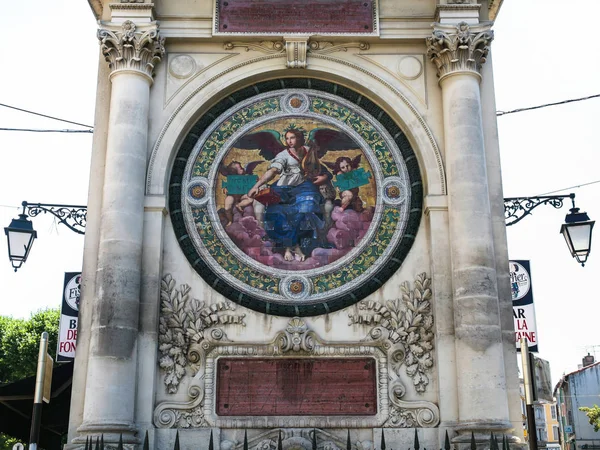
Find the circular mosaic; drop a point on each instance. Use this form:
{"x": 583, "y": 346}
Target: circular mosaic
{"x": 295, "y": 197}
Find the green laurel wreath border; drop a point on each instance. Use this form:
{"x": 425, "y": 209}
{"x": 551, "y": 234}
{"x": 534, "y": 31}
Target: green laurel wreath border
{"x": 370, "y": 285}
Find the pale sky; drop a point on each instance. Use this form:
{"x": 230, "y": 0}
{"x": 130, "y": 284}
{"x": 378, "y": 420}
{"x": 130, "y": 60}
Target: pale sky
{"x": 543, "y": 52}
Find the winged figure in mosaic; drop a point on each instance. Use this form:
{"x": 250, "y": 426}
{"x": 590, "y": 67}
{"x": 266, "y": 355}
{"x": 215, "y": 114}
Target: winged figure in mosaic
{"x": 293, "y": 201}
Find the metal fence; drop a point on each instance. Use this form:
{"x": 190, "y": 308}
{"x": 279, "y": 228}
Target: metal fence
{"x": 494, "y": 444}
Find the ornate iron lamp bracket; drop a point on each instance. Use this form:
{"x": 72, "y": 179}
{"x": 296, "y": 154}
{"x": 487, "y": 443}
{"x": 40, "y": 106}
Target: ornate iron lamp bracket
{"x": 73, "y": 217}
{"x": 517, "y": 208}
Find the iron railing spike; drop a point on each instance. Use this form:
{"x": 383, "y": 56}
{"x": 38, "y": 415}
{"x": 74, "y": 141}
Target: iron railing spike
{"x": 279, "y": 442}
{"x": 447, "y": 442}
{"x": 246, "y": 439}
{"x": 473, "y": 444}
{"x": 176, "y": 446}
{"x": 102, "y": 441}
{"x": 120, "y": 446}
{"x": 382, "y": 446}
{"x": 314, "y": 439}
{"x": 211, "y": 444}
{"x": 146, "y": 443}
{"x": 97, "y": 443}
{"x": 417, "y": 445}
{"x": 348, "y": 443}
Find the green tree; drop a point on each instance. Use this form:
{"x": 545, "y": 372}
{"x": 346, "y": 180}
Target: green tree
{"x": 19, "y": 348}
{"x": 593, "y": 414}
{"x": 19, "y": 343}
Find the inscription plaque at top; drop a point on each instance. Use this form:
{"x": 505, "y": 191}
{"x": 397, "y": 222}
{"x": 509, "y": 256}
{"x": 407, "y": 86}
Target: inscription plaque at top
{"x": 286, "y": 16}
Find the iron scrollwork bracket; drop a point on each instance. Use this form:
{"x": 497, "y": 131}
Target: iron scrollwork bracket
{"x": 73, "y": 217}
{"x": 517, "y": 208}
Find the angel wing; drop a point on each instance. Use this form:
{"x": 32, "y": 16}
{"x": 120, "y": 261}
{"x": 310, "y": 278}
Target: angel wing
{"x": 249, "y": 169}
{"x": 268, "y": 142}
{"x": 331, "y": 165}
{"x": 326, "y": 139}
{"x": 355, "y": 162}
{"x": 223, "y": 170}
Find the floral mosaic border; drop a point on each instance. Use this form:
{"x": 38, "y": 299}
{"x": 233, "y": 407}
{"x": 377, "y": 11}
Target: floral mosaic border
{"x": 258, "y": 283}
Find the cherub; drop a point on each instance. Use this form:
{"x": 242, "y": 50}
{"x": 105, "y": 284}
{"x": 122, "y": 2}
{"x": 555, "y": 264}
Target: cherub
{"x": 349, "y": 197}
{"x": 239, "y": 201}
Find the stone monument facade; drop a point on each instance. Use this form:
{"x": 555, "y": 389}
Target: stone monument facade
{"x": 295, "y": 228}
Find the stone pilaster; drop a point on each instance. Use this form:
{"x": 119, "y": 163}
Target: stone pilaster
{"x": 132, "y": 53}
{"x": 458, "y": 52}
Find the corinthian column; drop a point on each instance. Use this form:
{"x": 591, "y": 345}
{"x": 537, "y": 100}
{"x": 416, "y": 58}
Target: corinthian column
{"x": 132, "y": 53}
{"x": 459, "y": 51}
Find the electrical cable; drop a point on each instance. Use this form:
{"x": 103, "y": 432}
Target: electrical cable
{"x": 571, "y": 187}
{"x": 46, "y": 131}
{"x": 44, "y": 115}
{"x": 529, "y": 108}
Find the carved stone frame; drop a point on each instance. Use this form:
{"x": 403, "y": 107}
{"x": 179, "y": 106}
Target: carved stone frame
{"x": 295, "y": 341}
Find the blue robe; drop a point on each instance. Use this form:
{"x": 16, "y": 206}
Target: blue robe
{"x": 297, "y": 218}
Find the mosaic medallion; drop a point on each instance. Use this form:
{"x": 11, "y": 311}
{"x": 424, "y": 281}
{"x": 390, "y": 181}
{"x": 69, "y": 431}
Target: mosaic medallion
{"x": 297, "y": 200}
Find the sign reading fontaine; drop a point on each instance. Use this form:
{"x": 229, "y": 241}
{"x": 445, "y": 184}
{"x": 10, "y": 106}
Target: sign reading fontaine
{"x": 523, "y": 308}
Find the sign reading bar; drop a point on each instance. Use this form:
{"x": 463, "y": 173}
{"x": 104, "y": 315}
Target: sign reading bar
{"x": 69, "y": 312}
{"x": 296, "y": 387}
{"x": 286, "y": 16}
{"x": 523, "y": 308}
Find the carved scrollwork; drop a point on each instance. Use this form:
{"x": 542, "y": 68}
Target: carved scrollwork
{"x": 406, "y": 324}
{"x": 296, "y": 337}
{"x": 324, "y": 47}
{"x": 185, "y": 321}
{"x": 128, "y": 48}
{"x": 268, "y": 47}
{"x": 459, "y": 48}
{"x": 183, "y": 414}
{"x": 404, "y": 414}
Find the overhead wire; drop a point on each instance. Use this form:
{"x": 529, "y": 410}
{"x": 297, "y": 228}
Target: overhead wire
{"x": 46, "y": 116}
{"x": 571, "y": 187}
{"x": 34, "y": 130}
{"x": 545, "y": 105}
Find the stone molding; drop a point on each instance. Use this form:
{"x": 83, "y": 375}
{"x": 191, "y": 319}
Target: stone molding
{"x": 387, "y": 347}
{"x": 132, "y": 48}
{"x": 459, "y": 48}
{"x": 296, "y": 49}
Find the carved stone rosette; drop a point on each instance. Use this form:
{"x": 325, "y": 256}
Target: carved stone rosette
{"x": 460, "y": 48}
{"x": 130, "y": 48}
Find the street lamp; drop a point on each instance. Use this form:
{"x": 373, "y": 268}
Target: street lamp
{"x": 20, "y": 233}
{"x": 577, "y": 229}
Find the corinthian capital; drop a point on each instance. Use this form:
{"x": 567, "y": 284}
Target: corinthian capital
{"x": 459, "y": 48}
{"x": 127, "y": 48}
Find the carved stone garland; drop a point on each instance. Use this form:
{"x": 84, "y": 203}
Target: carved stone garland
{"x": 400, "y": 336}
{"x": 185, "y": 321}
{"x": 128, "y": 48}
{"x": 459, "y": 48}
{"x": 405, "y": 326}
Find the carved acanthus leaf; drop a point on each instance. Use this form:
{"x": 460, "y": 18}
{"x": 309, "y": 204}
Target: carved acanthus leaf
{"x": 408, "y": 324}
{"x": 128, "y": 48}
{"x": 184, "y": 321}
{"x": 459, "y": 48}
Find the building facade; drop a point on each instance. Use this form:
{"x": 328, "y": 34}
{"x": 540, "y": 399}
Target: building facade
{"x": 295, "y": 228}
{"x": 575, "y": 390}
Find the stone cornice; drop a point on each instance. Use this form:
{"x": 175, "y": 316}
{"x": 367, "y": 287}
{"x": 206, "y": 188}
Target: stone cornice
{"x": 459, "y": 48}
{"x": 132, "y": 48}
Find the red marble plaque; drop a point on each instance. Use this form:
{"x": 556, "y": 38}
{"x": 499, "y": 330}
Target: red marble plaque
{"x": 287, "y": 16}
{"x": 298, "y": 387}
